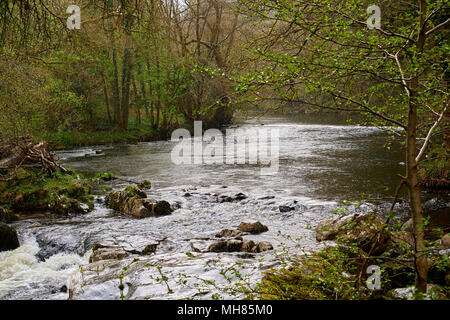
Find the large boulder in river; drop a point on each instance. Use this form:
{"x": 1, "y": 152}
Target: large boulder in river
{"x": 134, "y": 202}
{"x": 8, "y": 238}
{"x": 253, "y": 228}
{"x": 366, "y": 229}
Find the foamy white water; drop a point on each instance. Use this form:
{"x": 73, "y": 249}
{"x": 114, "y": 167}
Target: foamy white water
{"x": 21, "y": 270}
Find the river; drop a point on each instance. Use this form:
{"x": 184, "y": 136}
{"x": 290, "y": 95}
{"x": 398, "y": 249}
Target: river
{"x": 319, "y": 165}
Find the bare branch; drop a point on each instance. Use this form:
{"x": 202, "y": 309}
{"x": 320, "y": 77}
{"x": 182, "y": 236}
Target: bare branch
{"x": 437, "y": 27}
{"x": 430, "y": 132}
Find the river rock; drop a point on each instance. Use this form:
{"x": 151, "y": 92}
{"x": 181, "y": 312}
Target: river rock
{"x": 122, "y": 246}
{"x": 225, "y": 246}
{"x": 250, "y": 246}
{"x": 363, "y": 229}
{"x": 227, "y": 233}
{"x": 399, "y": 243}
{"x": 8, "y": 238}
{"x": 286, "y": 208}
{"x": 253, "y": 228}
{"x": 134, "y": 202}
{"x": 239, "y": 245}
{"x": 139, "y": 278}
{"x": 264, "y": 246}
{"x": 237, "y": 197}
{"x": 400, "y": 269}
{"x": 291, "y": 205}
{"x": 108, "y": 253}
{"x": 144, "y": 184}
{"x": 52, "y": 243}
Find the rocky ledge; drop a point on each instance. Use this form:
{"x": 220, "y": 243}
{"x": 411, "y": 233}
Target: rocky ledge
{"x": 122, "y": 247}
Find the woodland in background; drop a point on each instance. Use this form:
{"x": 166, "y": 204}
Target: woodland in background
{"x": 147, "y": 65}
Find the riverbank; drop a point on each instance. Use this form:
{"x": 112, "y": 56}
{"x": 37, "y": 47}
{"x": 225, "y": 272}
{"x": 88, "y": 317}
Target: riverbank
{"x": 32, "y": 179}
{"x": 72, "y": 139}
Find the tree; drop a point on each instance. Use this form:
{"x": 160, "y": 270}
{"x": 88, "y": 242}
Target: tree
{"x": 321, "y": 54}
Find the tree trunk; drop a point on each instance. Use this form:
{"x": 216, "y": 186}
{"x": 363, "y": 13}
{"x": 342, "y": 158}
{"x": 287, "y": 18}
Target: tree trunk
{"x": 144, "y": 96}
{"x": 420, "y": 259}
{"x": 105, "y": 92}
{"x": 115, "y": 89}
{"x": 137, "y": 101}
{"x": 152, "y": 106}
{"x": 158, "y": 95}
{"x": 412, "y": 181}
{"x": 125, "y": 103}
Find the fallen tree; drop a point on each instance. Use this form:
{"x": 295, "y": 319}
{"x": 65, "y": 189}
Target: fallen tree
{"x": 27, "y": 154}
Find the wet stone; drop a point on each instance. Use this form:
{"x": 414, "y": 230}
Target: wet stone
{"x": 8, "y": 238}
{"x": 253, "y": 228}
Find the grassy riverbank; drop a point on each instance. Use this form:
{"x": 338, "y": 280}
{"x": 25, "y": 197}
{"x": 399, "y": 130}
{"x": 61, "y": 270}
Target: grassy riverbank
{"x": 74, "y": 138}
{"x": 31, "y": 190}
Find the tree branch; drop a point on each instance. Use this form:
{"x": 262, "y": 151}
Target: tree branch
{"x": 430, "y": 132}
{"x": 437, "y": 27}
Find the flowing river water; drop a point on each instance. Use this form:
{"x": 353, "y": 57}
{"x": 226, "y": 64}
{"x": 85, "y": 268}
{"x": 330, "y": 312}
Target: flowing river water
{"x": 319, "y": 165}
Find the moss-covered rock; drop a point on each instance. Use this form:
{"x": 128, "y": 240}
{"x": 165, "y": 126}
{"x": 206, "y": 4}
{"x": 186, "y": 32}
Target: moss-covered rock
{"x": 367, "y": 230}
{"x": 144, "y": 184}
{"x": 34, "y": 190}
{"x": 134, "y": 202}
{"x": 105, "y": 176}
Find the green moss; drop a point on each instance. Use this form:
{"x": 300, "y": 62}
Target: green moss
{"x": 134, "y": 191}
{"x": 144, "y": 184}
{"x": 59, "y": 192}
{"x": 105, "y": 176}
{"x": 332, "y": 273}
